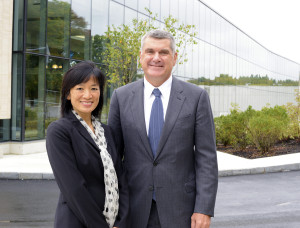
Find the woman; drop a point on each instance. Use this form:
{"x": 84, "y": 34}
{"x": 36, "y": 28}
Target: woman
{"x": 83, "y": 156}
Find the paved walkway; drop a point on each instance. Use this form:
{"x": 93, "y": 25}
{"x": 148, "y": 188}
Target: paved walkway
{"x": 36, "y": 166}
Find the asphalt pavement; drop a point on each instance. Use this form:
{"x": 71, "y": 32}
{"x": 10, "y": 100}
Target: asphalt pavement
{"x": 268, "y": 200}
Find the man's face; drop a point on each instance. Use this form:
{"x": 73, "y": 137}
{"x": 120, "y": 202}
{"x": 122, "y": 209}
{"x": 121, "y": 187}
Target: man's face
{"x": 157, "y": 60}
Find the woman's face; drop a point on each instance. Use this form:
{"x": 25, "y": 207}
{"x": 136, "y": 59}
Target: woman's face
{"x": 84, "y": 97}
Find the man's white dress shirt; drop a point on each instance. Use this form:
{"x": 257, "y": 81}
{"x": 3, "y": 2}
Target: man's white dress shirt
{"x": 165, "y": 90}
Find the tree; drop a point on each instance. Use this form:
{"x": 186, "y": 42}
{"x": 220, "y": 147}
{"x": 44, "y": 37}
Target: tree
{"x": 122, "y": 46}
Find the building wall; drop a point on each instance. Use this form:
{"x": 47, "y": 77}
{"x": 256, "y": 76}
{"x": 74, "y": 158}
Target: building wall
{"x": 223, "y": 98}
{"x": 53, "y": 35}
{"x": 6, "y": 19}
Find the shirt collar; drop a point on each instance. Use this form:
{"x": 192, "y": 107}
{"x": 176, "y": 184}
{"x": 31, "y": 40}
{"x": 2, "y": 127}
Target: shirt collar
{"x": 164, "y": 88}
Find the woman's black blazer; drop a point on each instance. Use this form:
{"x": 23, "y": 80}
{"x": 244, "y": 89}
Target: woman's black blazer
{"x": 78, "y": 171}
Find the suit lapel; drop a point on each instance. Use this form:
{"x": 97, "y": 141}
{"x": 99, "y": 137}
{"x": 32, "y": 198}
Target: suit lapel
{"x": 174, "y": 106}
{"x": 137, "y": 109}
{"x": 80, "y": 128}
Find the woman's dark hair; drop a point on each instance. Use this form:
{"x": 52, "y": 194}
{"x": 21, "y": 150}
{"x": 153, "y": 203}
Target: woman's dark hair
{"x": 81, "y": 73}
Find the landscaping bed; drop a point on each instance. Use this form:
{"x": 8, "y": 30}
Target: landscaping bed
{"x": 251, "y": 152}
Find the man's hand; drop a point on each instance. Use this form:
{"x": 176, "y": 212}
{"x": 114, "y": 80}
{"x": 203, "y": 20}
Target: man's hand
{"x": 200, "y": 221}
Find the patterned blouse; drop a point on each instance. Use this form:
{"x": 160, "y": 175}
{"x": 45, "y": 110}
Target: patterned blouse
{"x": 111, "y": 205}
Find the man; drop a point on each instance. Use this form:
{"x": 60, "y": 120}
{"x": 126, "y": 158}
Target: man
{"x": 168, "y": 142}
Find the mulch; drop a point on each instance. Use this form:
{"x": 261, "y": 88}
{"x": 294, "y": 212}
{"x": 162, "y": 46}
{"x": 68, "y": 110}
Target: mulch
{"x": 251, "y": 152}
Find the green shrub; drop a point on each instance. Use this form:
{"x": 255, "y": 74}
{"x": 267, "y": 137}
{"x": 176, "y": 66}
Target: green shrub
{"x": 267, "y": 127}
{"x": 223, "y": 130}
{"x": 239, "y": 132}
{"x": 233, "y": 129}
{"x": 293, "y": 129}
{"x": 265, "y": 131}
{"x": 261, "y": 128}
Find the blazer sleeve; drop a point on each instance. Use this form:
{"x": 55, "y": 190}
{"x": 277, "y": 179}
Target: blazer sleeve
{"x": 205, "y": 158}
{"x": 69, "y": 179}
{"x": 122, "y": 217}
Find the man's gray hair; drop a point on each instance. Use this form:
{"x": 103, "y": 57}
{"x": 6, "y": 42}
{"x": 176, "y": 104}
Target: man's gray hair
{"x": 159, "y": 34}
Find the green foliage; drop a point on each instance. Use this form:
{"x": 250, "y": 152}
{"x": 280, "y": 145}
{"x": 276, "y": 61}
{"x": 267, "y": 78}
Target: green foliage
{"x": 240, "y": 122}
{"x": 122, "y": 46}
{"x": 31, "y": 118}
{"x": 58, "y": 14}
{"x": 223, "y": 130}
{"x": 262, "y": 128}
{"x": 297, "y": 94}
{"x": 253, "y": 80}
{"x": 232, "y": 129}
{"x": 30, "y": 114}
{"x": 293, "y": 130}
{"x": 267, "y": 127}
{"x": 293, "y": 111}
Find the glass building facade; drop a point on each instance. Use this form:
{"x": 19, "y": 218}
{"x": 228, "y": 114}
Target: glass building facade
{"x": 49, "y": 36}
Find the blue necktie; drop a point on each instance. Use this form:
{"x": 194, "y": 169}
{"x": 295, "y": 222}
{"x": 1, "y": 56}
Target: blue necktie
{"x": 155, "y": 125}
{"x": 156, "y": 121}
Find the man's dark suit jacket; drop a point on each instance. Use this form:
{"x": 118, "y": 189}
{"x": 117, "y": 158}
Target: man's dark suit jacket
{"x": 184, "y": 173}
{"x": 79, "y": 173}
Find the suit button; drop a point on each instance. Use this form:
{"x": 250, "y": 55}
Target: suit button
{"x": 151, "y": 188}
{"x": 155, "y": 163}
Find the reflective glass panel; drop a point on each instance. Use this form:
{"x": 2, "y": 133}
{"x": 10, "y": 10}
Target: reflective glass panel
{"x": 189, "y": 15}
{"x": 36, "y": 26}
{"x": 195, "y": 61}
{"x": 80, "y": 29}
{"x": 99, "y": 27}
{"x": 4, "y": 130}
{"x": 189, "y": 64}
{"x": 182, "y": 12}
{"x": 116, "y": 14}
{"x": 58, "y": 28}
{"x": 34, "y": 97}
{"x": 174, "y": 10}
{"x": 129, "y": 16}
{"x": 55, "y": 69}
{"x": 142, "y": 17}
{"x": 208, "y": 25}
{"x": 142, "y": 5}
{"x": 213, "y": 28}
{"x": 202, "y": 22}
{"x": 156, "y": 9}
{"x": 165, "y": 8}
{"x": 201, "y": 59}
{"x": 16, "y": 108}
{"x": 99, "y": 17}
{"x": 196, "y": 16}
{"x": 131, "y": 3}
{"x": 120, "y": 1}
{"x": 18, "y": 25}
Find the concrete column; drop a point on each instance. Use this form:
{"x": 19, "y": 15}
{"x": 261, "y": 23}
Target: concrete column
{"x": 6, "y": 25}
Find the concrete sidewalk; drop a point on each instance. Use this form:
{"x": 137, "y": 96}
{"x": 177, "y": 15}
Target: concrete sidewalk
{"x": 36, "y": 166}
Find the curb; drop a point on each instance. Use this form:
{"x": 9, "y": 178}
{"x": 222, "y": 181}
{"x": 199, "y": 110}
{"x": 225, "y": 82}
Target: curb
{"x": 260, "y": 170}
{"x": 222, "y": 173}
{"x": 26, "y": 176}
